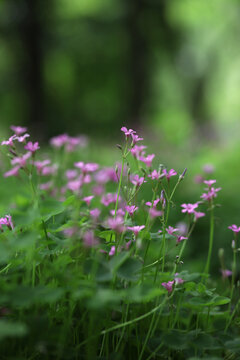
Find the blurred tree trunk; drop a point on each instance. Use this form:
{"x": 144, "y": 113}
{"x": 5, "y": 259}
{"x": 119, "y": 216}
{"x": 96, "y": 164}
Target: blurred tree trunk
{"x": 137, "y": 65}
{"x": 31, "y": 33}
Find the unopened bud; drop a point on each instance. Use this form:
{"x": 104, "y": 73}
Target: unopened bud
{"x": 12, "y": 152}
{"x": 181, "y": 262}
{"x": 181, "y": 177}
{"x": 221, "y": 253}
{"x": 116, "y": 170}
{"x": 233, "y": 244}
{"x": 119, "y": 147}
{"x": 143, "y": 171}
{"x": 162, "y": 199}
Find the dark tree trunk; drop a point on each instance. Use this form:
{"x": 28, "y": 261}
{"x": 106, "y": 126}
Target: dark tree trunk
{"x": 137, "y": 68}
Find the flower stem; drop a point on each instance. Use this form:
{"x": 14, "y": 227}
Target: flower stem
{"x": 211, "y": 234}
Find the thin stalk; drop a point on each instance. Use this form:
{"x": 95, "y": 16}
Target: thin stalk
{"x": 123, "y": 330}
{"x": 211, "y": 235}
{"x": 120, "y": 180}
{"x": 231, "y": 317}
{"x": 127, "y": 323}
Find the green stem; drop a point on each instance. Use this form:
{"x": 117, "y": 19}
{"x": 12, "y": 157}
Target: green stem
{"x": 127, "y": 323}
{"x": 210, "y": 240}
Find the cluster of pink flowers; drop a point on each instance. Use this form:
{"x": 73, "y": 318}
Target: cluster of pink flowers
{"x": 89, "y": 182}
{"x": 211, "y": 191}
{"x": 153, "y": 211}
{"x": 171, "y": 231}
{"x": 70, "y": 143}
{"x": 190, "y": 209}
{"x": 20, "y": 161}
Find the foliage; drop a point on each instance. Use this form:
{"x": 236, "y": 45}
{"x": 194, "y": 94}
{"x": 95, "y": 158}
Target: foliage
{"x": 90, "y": 270}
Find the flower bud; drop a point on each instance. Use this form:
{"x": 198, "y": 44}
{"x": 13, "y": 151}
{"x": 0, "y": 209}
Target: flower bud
{"x": 181, "y": 177}
{"x": 221, "y": 253}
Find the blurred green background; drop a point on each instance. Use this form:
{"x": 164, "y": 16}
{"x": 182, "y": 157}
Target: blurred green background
{"x": 167, "y": 68}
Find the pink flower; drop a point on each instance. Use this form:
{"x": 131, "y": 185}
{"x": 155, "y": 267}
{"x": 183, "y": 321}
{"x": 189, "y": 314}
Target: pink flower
{"x": 13, "y": 172}
{"x": 138, "y": 151}
{"x": 128, "y": 244}
{"x": 180, "y": 238}
{"x": 226, "y": 273}
{"x": 59, "y": 141}
{"x": 49, "y": 170}
{"x": 198, "y": 214}
{"x": 119, "y": 212}
{"x": 88, "y": 199}
{"x": 109, "y": 198}
{"x": 137, "y": 181}
{"x": 95, "y": 213}
{"x": 116, "y": 224}
{"x": 127, "y": 132}
{"x": 208, "y": 168}
{"x": 41, "y": 164}
{"x": 32, "y": 147}
{"x": 168, "y": 175}
{"x": 178, "y": 280}
{"x": 212, "y": 193}
{"x": 18, "y": 129}
{"x": 70, "y": 232}
{"x": 131, "y": 209}
{"x": 209, "y": 182}
{"x": 148, "y": 159}
{"x": 136, "y": 138}
{"x": 189, "y": 208}
{"x": 198, "y": 179}
{"x": 155, "y": 202}
{"x": 136, "y": 229}
{"x": 153, "y": 212}
{"x": 234, "y": 228}
{"x": 155, "y": 175}
{"x": 73, "y": 142}
{"x": 7, "y": 220}
{"x": 171, "y": 230}
{"x": 89, "y": 239}
{"x": 9, "y": 142}
{"x": 75, "y": 185}
{"x": 168, "y": 286}
{"x": 46, "y": 186}
{"x": 112, "y": 251}
{"x": 71, "y": 174}
{"x": 21, "y": 160}
{"x": 98, "y": 190}
{"x": 22, "y": 138}
{"x": 89, "y": 167}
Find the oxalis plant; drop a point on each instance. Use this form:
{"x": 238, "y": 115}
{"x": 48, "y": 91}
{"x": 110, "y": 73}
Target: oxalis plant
{"x": 92, "y": 268}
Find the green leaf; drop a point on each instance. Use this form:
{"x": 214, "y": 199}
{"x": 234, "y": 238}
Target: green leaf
{"x": 118, "y": 260}
{"x": 105, "y": 298}
{"x": 107, "y": 235}
{"x": 23, "y": 296}
{"x": 51, "y": 207}
{"x": 176, "y": 340}
{"x": 128, "y": 270}
{"x": 12, "y": 329}
{"x": 233, "y": 345}
{"x": 205, "y": 341}
{"x": 143, "y": 293}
